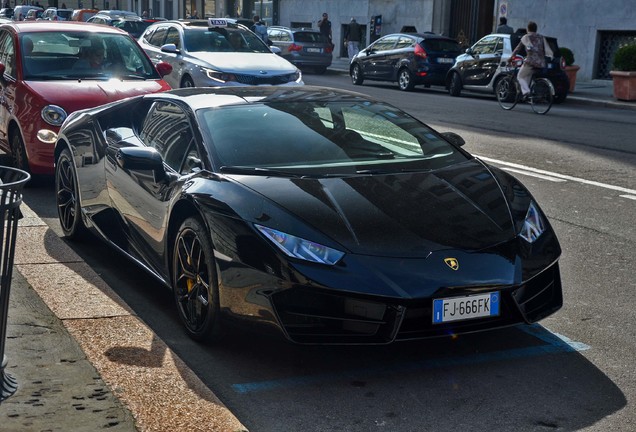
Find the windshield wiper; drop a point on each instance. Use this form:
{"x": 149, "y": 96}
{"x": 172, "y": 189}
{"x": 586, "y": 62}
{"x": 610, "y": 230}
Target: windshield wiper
{"x": 256, "y": 171}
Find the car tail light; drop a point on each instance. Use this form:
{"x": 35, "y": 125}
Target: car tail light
{"x": 329, "y": 49}
{"x": 517, "y": 60}
{"x": 563, "y": 63}
{"x": 294, "y": 47}
{"x": 420, "y": 52}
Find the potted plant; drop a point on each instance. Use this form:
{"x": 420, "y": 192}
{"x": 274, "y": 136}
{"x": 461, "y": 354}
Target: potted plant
{"x": 624, "y": 73}
{"x": 570, "y": 68}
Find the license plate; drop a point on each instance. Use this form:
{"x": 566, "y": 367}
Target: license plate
{"x": 463, "y": 308}
{"x": 445, "y": 60}
{"x": 314, "y": 50}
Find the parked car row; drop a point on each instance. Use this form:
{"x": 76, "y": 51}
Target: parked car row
{"x": 52, "y": 69}
{"x": 412, "y": 59}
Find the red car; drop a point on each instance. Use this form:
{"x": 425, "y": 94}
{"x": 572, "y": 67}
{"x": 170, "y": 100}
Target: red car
{"x": 50, "y": 69}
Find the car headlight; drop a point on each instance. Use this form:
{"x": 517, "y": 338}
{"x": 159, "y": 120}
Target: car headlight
{"x": 297, "y": 247}
{"x": 533, "y": 225}
{"x": 53, "y": 115}
{"x": 297, "y": 76}
{"x": 221, "y": 77}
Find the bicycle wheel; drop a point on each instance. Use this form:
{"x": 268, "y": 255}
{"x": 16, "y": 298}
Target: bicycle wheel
{"x": 541, "y": 95}
{"x": 506, "y": 91}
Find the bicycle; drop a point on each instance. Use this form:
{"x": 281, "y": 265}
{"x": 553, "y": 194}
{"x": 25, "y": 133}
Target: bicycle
{"x": 508, "y": 90}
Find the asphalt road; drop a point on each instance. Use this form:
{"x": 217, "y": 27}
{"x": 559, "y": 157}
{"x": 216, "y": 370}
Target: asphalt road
{"x": 573, "y": 372}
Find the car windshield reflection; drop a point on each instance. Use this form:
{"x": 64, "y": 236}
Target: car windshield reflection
{"x": 339, "y": 138}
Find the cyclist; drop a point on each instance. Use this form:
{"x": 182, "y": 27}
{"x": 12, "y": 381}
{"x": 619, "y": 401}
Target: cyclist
{"x": 537, "y": 48}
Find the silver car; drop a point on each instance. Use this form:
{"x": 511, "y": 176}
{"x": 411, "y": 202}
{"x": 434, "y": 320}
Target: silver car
{"x": 216, "y": 52}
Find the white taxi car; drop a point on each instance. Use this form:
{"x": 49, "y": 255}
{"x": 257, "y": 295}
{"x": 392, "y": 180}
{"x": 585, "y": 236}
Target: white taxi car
{"x": 216, "y": 52}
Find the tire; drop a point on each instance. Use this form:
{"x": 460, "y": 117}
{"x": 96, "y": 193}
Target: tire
{"x": 20, "y": 160}
{"x": 186, "y": 82}
{"x": 405, "y": 80}
{"x": 67, "y": 198}
{"x": 356, "y": 75}
{"x": 506, "y": 92}
{"x": 559, "y": 98}
{"x": 455, "y": 88}
{"x": 194, "y": 281}
{"x": 541, "y": 96}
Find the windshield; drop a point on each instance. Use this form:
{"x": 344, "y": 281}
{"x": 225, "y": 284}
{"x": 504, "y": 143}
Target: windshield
{"x": 318, "y": 138}
{"x": 78, "y": 55}
{"x": 223, "y": 40}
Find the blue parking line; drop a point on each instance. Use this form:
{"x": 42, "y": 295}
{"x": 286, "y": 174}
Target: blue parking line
{"x": 554, "y": 344}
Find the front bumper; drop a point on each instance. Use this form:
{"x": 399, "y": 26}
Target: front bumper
{"x": 311, "y": 316}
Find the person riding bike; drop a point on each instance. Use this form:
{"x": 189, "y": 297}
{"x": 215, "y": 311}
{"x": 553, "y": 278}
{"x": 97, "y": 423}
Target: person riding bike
{"x": 537, "y": 48}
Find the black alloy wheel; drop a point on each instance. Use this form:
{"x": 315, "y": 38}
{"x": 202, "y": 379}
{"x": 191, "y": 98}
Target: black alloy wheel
{"x": 194, "y": 281}
{"x": 66, "y": 196}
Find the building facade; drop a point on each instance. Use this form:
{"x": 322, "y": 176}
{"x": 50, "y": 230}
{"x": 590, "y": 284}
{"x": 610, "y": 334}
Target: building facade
{"x": 592, "y": 29}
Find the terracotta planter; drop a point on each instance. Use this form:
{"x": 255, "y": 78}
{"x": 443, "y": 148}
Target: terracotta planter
{"x": 624, "y": 85}
{"x": 571, "y": 71}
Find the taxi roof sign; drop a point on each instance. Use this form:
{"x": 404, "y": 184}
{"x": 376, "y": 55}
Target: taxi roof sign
{"x": 217, "y": 22}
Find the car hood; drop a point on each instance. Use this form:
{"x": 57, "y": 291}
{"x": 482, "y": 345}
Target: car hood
{"x": 74, "y": 95}
{"x": 401, "y": 215}
{"x": 246, "y": 63}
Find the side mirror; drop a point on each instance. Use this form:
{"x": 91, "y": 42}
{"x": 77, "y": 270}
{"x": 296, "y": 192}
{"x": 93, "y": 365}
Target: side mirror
{"x": 275, "y": 49}
{"x": 143, "y": 159}
{"x": 163, "y": 68}
{"x": 469, "y": 51}
{"x": 169, "y": 48}
{"x": 453, "y": 138}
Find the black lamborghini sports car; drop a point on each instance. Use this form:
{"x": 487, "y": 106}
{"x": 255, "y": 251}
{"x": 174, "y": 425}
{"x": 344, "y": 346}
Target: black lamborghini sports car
{"x": 331, "y": 216}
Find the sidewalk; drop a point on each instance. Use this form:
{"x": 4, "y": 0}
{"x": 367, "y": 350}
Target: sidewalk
{"x": 83, "y": 361}
{"x": 596, "y": 92}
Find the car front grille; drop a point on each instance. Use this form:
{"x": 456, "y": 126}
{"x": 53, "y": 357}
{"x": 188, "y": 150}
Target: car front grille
{"x": 266, "y": 80}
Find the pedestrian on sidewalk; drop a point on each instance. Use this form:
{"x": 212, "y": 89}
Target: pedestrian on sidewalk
{"x": 353, "y": 37}
{"x": 325, "y": 27}
{"x": 504, "y": 27}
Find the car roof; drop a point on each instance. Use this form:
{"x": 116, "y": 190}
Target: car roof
{"x": 205, "y": 97}
{"x": 66, "y": 26}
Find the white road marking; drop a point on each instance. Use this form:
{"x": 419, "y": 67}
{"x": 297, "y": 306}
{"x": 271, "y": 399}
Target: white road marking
{"x": 631, "y": 197}
{"x": 532, "y": 174}
{"x": 561, "y": 176}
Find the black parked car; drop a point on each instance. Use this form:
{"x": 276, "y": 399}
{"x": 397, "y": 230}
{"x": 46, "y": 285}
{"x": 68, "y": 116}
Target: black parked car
{"x": 329, "y": 215}
{"x": 483, "y": 64}
{"x": 409, "y": 59}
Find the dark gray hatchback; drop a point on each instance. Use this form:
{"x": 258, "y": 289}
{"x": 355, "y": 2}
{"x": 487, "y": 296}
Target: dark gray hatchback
{"x": 409, "y": 59}
{"x": 304, "y": 48}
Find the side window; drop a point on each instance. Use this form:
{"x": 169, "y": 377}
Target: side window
{"x": 285, "y": 36}
{"x": 385, "y": 44}
{"x": 404, "y": 42}
{"x": 7, "y": 54}
{"x": 167, "y": 129}
{"x": 487, "y": 45}
{"x": 173, "y": 37}
{"x": 158, "y": 36}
